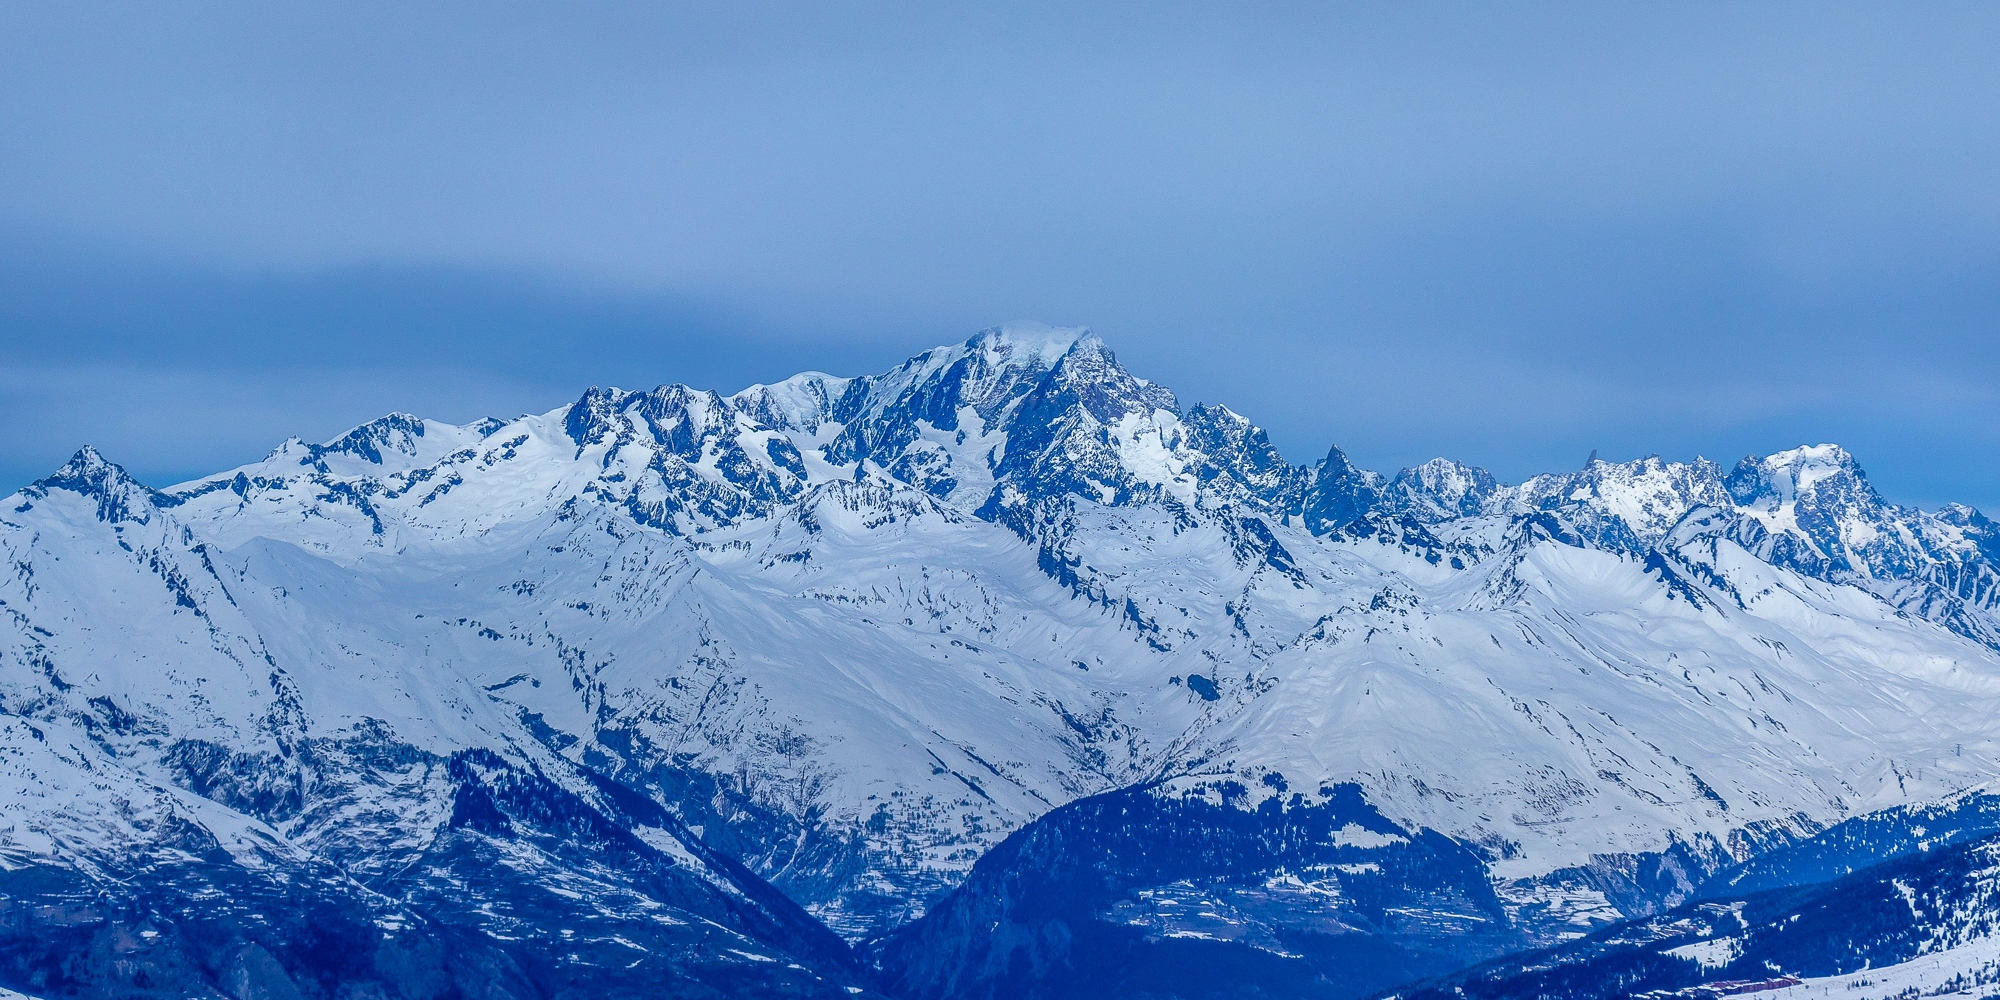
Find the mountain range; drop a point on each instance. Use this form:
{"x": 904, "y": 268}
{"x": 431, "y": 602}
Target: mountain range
{"x": 999, "y": 674}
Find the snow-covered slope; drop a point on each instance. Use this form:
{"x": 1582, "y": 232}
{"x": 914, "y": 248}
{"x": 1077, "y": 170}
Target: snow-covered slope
{"x": 856, "y": 631}
{"x": 167, "y": 733}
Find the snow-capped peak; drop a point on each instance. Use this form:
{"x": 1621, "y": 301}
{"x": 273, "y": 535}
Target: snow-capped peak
{"x": 801, "y": 402}
{"x": 1781, "y": 477}
{"x": 1442, "y": 488}
{"x": 1023, "y": 339}
{"x": 89, "y": 474}
{"x": 395, "y": 431}
{"x": 1961, "y": 515}
{"x": 87, "y": 469}
{"x": 1650, "y": 495}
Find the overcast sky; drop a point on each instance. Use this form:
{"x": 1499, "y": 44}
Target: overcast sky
{"x": 1508, "y": 233}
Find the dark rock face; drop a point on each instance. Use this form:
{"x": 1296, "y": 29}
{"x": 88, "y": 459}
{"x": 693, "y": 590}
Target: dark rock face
{"x": 683, "y": 430}
{"x": 1140, "y": 893}
{"x": 1334, "y": 493}
{"x": 1057, "y": 444}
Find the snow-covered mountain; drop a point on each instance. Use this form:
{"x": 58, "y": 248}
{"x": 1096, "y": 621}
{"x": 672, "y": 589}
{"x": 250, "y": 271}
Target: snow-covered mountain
{"x": 854, "y": 633}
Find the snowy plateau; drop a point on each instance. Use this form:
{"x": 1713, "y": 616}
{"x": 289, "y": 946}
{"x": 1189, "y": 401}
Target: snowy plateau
{"x": 999, "y": 674}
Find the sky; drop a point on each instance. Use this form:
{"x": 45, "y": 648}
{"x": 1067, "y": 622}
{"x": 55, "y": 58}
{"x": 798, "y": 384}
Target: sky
{"x": 1507, "y": 234}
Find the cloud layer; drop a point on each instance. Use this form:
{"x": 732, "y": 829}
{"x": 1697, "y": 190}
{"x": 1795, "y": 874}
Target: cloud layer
{"x": 1509, "y": 236}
